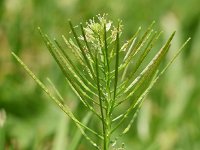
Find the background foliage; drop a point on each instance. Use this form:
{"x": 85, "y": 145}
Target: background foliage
{"x": 170, "y": 116}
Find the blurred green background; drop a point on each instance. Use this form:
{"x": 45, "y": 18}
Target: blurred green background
{"x": 170, "y": 116}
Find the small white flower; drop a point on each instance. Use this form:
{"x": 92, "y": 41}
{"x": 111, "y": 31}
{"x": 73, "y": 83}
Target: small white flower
{"x": 108, "y": 26}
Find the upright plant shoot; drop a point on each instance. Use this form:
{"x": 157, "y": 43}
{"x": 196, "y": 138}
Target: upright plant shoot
{"x": 106, "y": 74}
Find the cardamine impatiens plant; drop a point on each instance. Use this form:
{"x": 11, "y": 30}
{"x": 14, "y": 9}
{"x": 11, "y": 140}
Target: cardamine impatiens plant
{"x": 110, "y": 78}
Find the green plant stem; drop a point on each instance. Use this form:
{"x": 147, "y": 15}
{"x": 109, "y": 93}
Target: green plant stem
{"x": 107, "y": 132}
{"x": 109, "y": 97}
{"x": 108, "y": 122}
{"x": 100, "y": 101}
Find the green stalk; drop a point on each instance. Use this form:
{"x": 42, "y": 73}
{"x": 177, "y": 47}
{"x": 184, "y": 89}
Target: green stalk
{"x": 100, "y": 101}
{"x": 107, "y": 131}
{"x": 116, "y": 70}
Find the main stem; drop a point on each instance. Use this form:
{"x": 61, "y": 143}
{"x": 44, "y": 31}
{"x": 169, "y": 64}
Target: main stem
{"x": 107, "y": 122}
{"x": 107, "y": 132}
{"x": 108, "y": 91}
